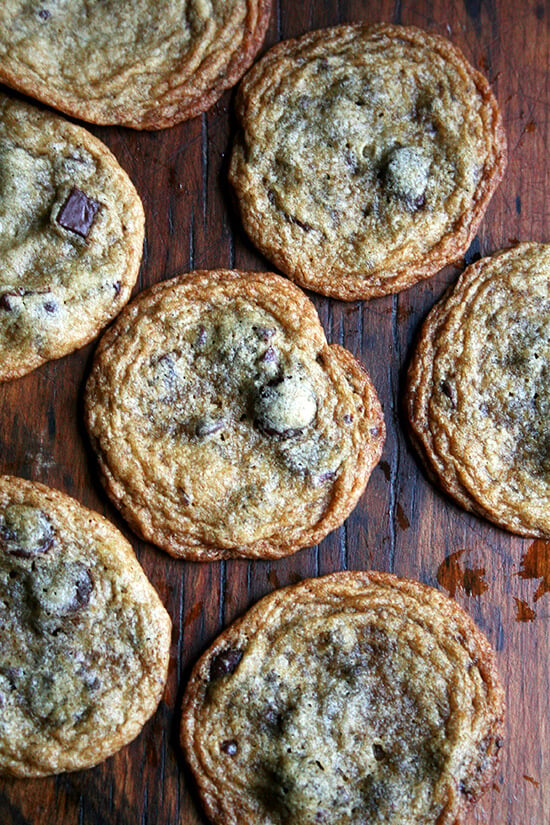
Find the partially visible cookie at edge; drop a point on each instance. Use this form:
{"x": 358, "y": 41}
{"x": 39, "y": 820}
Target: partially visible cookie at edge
{"x": 84, "y": 637}
{"x": 224, "y": 423}
{"x": 366, "y": 157}
{"x": 357, "y": 697}
{"x": 477, "y": 395}
{"x": 71, "y": 237}
{"x": 144, "y": 64}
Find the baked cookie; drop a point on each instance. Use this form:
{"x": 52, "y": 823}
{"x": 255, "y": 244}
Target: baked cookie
{"x": 71, "y": 237}
{"x": 477, "y": 394}
{"x": 366, "y": 157}
{"x": 142, "y": 64}
{"x": 353, "y": 698}
{"x": 84, "y": 638}
{"x": 224, "y": 423}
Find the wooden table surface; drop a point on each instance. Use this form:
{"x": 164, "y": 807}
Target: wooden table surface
{"x": 401, "y": 524}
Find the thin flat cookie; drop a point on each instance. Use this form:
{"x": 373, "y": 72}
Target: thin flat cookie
{"x": 224, "y": 423}
{"x": 142, "y": 64}
{"x": 350, "y": 699}
{"x": 84, "y": 638}
{"x": 366, "y": 157}
{"x": 71, "y": 237}
{"x": 477, "y": 397}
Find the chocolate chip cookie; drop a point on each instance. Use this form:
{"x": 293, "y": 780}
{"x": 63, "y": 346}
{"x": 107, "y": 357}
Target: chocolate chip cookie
{"x": 142, "y": 64}
{"x": 366, "y": 157}
{"x": 71, "y": 237}
{"x": 353, "y": 698}
{"x": 224, "y": 423}
{"x": 477, "y": 394}
{"x": 84, "y": 638}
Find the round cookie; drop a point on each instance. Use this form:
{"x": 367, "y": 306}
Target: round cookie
{"x": 224, "y": 423}
{"x": 477, "y": 397}
{"x": 353, "y": 698}
{"x": 366, "y": 157}
{"x": 71, "y": 237}
{"x": 84, "y": 638}
{"x": 142, "y": 64}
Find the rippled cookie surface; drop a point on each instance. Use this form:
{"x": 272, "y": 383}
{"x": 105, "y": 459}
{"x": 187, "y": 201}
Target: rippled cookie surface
{"x": 354, "y": 698}
{"x": 71, "y": 237}
{"x": 84, "y": 638}
{"x": 478, "y": 392}
{"x": 224, "y": 423}
{"x": 143, "y": 64}
{"x": 366, "y": 157}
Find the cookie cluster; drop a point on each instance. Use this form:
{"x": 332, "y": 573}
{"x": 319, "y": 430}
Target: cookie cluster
{"x": 225, "y": 425}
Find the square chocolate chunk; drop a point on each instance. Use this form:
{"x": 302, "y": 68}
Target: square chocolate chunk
{"x": 78, "y": 212}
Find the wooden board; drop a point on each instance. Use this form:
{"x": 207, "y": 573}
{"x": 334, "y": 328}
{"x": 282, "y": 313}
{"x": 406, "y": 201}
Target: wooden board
{"x": 401, "y": 523}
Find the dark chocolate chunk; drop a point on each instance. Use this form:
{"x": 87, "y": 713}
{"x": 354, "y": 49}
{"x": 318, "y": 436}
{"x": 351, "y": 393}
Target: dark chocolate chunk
{"x": 284, "y": 407}
{"x": 449, "y": 390}
{"x": 406, "y": 172}
{"x": 201, "y": 337}
{"x": 270, "y": 356}
{"x": 184, "y": 496}
{"x": 264, "y": 333}
{"x": 208, "y": 426}
{"x": 44, "y": 14}
{"x": 51, "y": 307}
{"x": 229, "y": 747}
{"x": 68, "y": 591}
{"x": 78, "y": 212}
{"x": 323, "y": 478}
{"x": 297, "y": 222}
{"x": 224, "y": 663}
{"x": 272, "y": 717}
{"x": 379, "y": 752}
{"x": 83, "y": 590}
{"x": 6, "y": 299}
{"x": 26, "y": 531}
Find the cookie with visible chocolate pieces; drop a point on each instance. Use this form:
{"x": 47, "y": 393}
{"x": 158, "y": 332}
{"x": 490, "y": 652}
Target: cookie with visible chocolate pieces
{"x": 353, "y": 698}
{"x": 142, "y": 64}
{"x": 224, "y": 423}
{"x": 477, "y": 392}
{"x": 366, "y": 157}
{"x": 71, "y": 237}
{"x": 84, "y": 638}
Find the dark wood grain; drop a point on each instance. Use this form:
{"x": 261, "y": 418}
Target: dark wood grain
{"x": 401, "y": 523}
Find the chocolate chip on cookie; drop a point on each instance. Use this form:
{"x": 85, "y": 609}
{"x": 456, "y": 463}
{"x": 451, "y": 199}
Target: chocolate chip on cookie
{"x": 25, "y": 531}
{"x": 78, "y": 212}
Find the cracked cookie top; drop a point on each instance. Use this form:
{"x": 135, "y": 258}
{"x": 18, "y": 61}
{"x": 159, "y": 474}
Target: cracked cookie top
{"x": 84, "y": 638}
{"x": 366, "y": 157}
{"x": 478, "y": 392}
{"x": 142, "y": 64}
{"x": 224, "y": 423}
{"x": 350, "y": 699}
{"x": 71, "y": 237}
